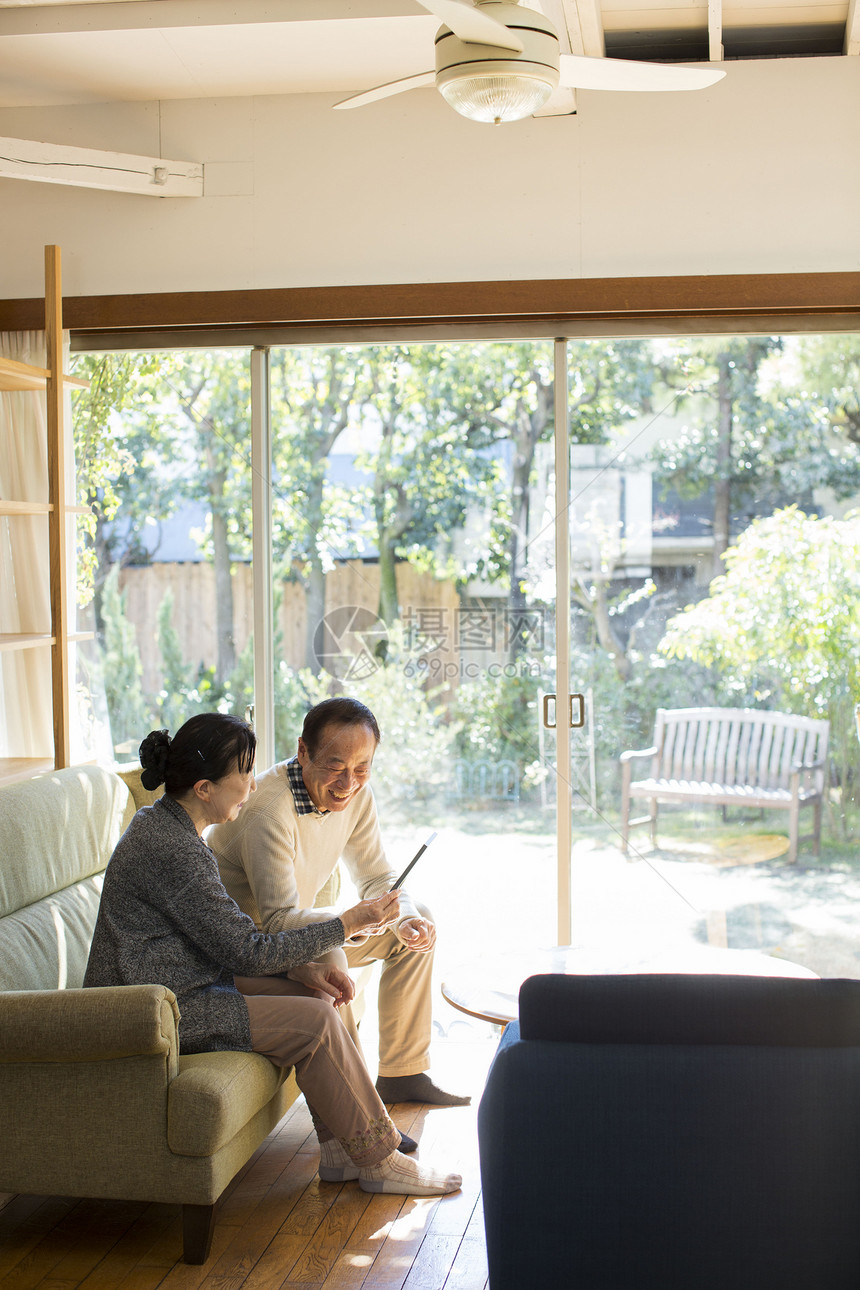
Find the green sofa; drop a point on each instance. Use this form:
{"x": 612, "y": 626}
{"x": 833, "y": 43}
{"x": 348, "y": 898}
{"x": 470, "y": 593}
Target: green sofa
{"x": 95, "y": 1099}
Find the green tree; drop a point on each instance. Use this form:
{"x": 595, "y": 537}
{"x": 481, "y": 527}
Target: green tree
{"x": 610, "y": 384}
{"x": 176, "y": 672}
{"x": 314, "y": 397}
{"x": 103, "y": 460}
{"x": 827, "y": 368}
{"x": 187, "y": 431}
{"x": 123, "y": 671}
{"x": 782, "y": 625}
{"x": 425, "y": 412}
{"x": 767, "y": 426}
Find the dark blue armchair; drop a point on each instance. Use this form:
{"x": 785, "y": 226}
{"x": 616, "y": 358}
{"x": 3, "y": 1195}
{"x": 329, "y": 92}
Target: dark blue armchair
{"x": 675, "y": 1133}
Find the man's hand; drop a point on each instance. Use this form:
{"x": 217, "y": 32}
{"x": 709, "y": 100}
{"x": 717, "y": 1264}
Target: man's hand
{"x": 417, "y": 934}
{"x": 326, "y": 981}
{"x": 371, "y": 916}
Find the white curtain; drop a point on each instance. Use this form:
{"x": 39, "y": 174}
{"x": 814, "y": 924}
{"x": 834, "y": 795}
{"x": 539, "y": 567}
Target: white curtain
{"x": 26, "y": 723}
{"x": 26, "y": 713}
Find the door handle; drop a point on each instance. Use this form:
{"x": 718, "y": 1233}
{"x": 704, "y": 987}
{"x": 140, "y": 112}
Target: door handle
{"x": 574, "y": 723}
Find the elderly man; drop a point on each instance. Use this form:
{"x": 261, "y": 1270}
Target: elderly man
{"x": 307, "y": 814}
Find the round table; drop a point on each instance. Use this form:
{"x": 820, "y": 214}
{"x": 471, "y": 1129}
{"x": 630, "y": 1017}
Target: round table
{"x": 489, "y": 988}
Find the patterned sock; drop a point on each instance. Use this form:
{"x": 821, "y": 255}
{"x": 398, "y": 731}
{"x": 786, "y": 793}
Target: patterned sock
{"x": 337, "y": 1166}
{"x": 401, "y": 1176}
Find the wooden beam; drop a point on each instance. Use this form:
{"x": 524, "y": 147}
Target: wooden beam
{"x": 119, "y": 172}
{"x": 852, "y": 30}
{"x": 542, "y": 301}
{"x": 562, "y": 102}
{"x": 716, "y": 52}
{"x": 579, "y": 24}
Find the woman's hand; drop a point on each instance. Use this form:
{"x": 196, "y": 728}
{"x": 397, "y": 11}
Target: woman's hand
{"x": 371, "y": 916}
{"x": 327, "y": 982}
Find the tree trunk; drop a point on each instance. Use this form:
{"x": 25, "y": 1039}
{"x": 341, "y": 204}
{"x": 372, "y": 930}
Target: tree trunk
{"x": 722, "y": 484}
{"x": 389, "y": 606}
{"x": 226, "y": 645}
{"x": 519, "y": 540}
{"x": 314, "y": 610}
{"x": 314, "y": 582}
{"x": 606, "y": 634}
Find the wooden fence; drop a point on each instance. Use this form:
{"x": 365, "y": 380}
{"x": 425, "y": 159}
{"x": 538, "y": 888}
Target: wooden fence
{"x": 193, "y": 617}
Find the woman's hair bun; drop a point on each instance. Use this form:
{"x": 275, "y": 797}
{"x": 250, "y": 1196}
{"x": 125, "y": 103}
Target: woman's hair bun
{"x": 153, "y": 754}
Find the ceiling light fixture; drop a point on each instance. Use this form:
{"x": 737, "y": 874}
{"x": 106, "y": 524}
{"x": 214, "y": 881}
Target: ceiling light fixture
{"x": 498, "y": 85}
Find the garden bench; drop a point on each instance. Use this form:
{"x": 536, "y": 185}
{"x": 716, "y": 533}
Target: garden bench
{"x": 731, "y": 757}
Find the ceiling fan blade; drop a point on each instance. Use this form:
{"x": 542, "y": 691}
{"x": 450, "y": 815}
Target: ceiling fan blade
{"x": 472, "y": 25}
{"x": 385, "y": 91}
{"x": 581, "y": 73}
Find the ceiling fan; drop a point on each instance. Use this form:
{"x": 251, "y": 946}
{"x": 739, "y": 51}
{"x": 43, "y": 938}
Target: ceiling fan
{"x": 498, "y": 61}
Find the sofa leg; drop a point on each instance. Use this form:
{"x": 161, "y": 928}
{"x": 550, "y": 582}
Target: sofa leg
{"x": 198, "y": 1224}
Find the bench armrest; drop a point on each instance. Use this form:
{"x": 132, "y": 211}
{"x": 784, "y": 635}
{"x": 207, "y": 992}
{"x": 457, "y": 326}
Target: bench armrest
{"x": 98, "y": 1024}
{"x": 638, "y": 752}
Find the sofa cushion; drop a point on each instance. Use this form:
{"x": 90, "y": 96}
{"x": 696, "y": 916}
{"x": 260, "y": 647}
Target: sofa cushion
{"x": 46, "y": 945}
{"x": 57, "y": 829}
{"x": 691, "y": 1009}
{"x": 214, "y": 1095}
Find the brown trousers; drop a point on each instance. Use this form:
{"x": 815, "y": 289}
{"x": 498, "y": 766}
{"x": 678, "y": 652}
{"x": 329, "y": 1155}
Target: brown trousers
{"x": 405, "y": 1000}
{"x": 293, "y": 1028}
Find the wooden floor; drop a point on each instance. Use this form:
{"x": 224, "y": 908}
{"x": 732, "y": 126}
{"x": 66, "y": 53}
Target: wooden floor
{"x": 278, "y": 1225}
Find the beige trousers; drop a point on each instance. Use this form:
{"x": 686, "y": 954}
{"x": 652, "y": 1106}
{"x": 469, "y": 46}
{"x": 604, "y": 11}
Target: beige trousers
{"x": 405, "y": 1000}
{"x": 293, "y": 1028}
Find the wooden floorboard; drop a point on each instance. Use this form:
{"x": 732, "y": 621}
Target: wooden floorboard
{"x": 278, "y": 1225}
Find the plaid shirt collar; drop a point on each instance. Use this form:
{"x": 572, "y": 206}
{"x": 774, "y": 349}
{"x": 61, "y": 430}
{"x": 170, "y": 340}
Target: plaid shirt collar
{"x": 301, "y": 796}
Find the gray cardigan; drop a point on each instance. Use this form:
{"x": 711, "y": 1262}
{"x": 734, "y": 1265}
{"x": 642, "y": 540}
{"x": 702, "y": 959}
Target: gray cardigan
{"x": 165, "y": 919}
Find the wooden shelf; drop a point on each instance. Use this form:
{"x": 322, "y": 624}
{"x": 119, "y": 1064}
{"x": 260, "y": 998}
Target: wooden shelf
{"x": 15, "y": 769}
{"x": 25, "y": 508}
{"x": 51, "y": 382}
{"x": 21, "y": 376}
{"x": 24, "y": 640}
{"x": 40, "y": 508}
{"x": 32, "y": 640}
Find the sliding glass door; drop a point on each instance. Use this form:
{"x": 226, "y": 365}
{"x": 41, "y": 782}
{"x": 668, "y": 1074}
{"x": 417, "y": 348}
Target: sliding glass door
{"x": 491, "y": 543}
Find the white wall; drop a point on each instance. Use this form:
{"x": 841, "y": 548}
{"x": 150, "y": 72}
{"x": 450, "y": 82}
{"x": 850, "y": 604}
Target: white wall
{"x": 760, "y": 173}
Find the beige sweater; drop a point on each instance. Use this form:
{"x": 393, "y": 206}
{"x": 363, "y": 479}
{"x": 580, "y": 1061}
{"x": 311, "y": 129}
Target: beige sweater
{"x": 273, "y": 860}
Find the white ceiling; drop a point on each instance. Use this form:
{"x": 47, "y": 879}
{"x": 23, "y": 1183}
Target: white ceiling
{"x": 86, "y": 51}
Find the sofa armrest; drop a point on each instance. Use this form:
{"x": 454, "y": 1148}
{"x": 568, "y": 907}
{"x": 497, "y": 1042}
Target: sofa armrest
{"x": 98, "y": 1024}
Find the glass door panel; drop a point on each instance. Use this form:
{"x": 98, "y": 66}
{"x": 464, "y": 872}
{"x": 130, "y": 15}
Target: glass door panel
{"x": 413, "y": 525}
{"x": 716, "y": 565}
{"x": 163, "y": 453}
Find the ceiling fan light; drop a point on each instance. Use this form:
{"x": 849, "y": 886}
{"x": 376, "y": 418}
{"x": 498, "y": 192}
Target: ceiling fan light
{"x": 495, "y": 99}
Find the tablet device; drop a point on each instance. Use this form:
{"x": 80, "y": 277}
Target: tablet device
{"x": 418, "y": 854}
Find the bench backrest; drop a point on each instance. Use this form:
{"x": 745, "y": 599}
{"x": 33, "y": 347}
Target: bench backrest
{"x": 735, "y": 745}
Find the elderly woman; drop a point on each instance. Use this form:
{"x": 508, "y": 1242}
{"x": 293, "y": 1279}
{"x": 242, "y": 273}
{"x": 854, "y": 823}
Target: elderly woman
{"x": 165, "y": 917}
